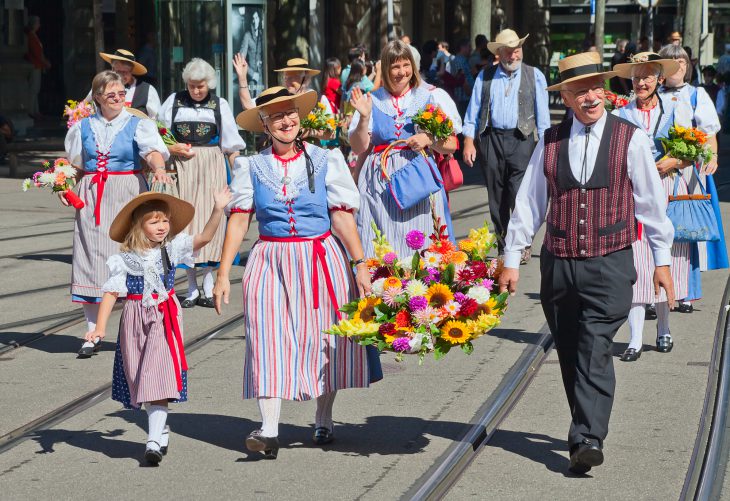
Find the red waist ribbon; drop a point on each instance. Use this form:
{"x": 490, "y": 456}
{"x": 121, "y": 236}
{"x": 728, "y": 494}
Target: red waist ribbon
{"x": 172, "y": 332}
{"x": 99, "y": 179}
{"x": 318, "y": 255}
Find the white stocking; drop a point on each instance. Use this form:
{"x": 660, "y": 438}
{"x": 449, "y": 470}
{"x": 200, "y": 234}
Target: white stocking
{"x": 662, "y": 319}
{"x": 324, "y": 411}
{"x": 157, "y": 417}
{"x": 636, "y": 325}
{"x": 208, "y": 282}
{"x": 192, "y": 284}
{"x": 91, "y": 312}
{"x": 270, "y": 409}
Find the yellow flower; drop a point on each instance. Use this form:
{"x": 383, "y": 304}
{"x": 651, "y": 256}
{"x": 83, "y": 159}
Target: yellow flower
{"x": 320, "y": 105}
{"x": 426, "y": 115}
{"x": 354, "y": 328}
{"x": 331, "y": 122}
{"x": 467, "y": 245}
{"x": 366, "y": 309}
{"x": 439, "y": 118}
{"x": 372, "y": 262}
{"x": 483, "y": 324}
{"x": 438, "y": 295}
{"x": 311, "y": 116}
{"x": 457, "y": 257}
{"x": 382, "y": 249}
{"x": 455, "y": 332}
{"x": 392, "y": 282}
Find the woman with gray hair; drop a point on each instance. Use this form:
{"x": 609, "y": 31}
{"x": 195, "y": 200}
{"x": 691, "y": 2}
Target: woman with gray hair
{"x": 206, "y": 132}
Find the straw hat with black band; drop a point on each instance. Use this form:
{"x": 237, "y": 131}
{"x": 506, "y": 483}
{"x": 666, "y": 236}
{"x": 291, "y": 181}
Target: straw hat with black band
{"x": 251, "y": 119}
{"x": 299, "y": 64}
{"x": 669, "y": 66}
{"x": 127, "y": 57}
{"x": 181, "y": 213}
{"x": 580, "y": 67}
{"x": 506, "y": 38}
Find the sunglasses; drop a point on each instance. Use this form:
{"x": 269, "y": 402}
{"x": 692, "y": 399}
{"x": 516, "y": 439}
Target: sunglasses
{"x": 120, "y": 95}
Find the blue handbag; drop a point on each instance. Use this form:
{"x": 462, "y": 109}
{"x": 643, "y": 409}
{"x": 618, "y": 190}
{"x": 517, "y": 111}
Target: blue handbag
{"x": 414, "y": 182}
{"x": 692, "y": 215}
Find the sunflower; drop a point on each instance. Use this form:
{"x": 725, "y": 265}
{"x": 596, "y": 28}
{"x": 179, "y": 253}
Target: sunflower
{"x": 392, "y": 283}
{"x": 366, "y": 309}
{"x": 438, "y": 295}
{"x": 455, "y": 332}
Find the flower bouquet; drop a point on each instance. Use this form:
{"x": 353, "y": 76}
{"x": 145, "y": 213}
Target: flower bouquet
{"x": 614, "y": 101}
{"x": 319, "y": 119}
{"x": 75, "y": 111}
{"x": 166, "y": 134}
{"x": 434, "y": 121}
{"x": 687, "y": 143}
{"x": 441, "y": 297}
{"x": 60, "y": 176}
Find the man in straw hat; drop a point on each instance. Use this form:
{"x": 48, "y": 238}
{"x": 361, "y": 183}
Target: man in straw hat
{"x": 140, "y": 95}
{"x": 506, "y": 115}
{"x": 597, "y": 172}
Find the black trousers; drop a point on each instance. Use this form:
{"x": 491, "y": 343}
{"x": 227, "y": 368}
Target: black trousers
{"x": 585, "y": 302}
{"x": 504, "y": 154}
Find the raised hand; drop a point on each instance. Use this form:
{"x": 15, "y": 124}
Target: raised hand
{"x": 222, "y": 198}
{"x": 363, "y": 103}
{"x": 241, "y": 66}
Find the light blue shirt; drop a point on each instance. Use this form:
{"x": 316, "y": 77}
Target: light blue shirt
{"x": 503, "y": 102}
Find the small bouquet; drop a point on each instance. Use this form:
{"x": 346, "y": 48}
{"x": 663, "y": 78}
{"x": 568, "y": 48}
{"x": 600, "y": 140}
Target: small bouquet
{"x": 434, "y": 121}
{"x": 75, "y": 111}
{"x": 441, "y": 297}
{"x": 166, "y": 134}
{"x": 319, "y": 119}
{"x": 687, "y": 143}
{"x": 60, "y": 176}
{"x": 614, "y": 101}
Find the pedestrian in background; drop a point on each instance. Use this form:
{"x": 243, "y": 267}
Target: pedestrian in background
{"x": 332, "y": 84}
{"x": 460, "y": 66}
{"x": 37, "y": 58}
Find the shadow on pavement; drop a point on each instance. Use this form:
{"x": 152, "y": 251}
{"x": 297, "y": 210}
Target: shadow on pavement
{"x": 103, "y": 442}
{"x": 60, "y": 258}
{"x": 52, "y": 343}
{"x": 516, "y": 335}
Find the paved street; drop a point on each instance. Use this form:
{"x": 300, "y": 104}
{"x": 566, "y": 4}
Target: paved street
{"x": 387, "y": 437}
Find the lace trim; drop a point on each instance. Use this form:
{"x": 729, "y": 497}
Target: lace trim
{"x": 383, "y": 100}
{"x": 150, "y": 271}
{"x": 262, "y": 165}
{"x": 105, "y": 133}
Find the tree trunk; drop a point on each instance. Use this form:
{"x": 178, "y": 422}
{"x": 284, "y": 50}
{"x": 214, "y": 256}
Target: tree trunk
{"x": 692, "y": 26}
{"x": 600, "y": 25}
{"x": 481, "y": 18}
{"x": 538, "y": 43}
{"x": 98, "y": 34}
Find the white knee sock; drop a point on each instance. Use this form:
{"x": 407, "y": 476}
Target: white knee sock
{"x": 157, "y": 417}
{"x": 91, "y": 312}
{"x": 662, "y": 319}
{"x": 270, "y": 409}
{"x": 192, "y": 284}
{"x": 636, "y": 325}
{"x": 208, "y": 282}
{"x": 323, "y": 417}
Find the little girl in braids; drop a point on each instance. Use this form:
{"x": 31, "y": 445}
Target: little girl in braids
{"x": 150, "y": 366}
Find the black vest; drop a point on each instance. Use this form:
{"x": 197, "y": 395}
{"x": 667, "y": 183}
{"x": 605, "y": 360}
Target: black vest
{"x": 526, "y": 120}
{"x": 141, "y": 94}
{"x": 197, "y": 133}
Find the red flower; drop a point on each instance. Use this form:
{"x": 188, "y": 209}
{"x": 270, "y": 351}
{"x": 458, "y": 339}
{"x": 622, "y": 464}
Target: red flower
{"x": 468, "y": 307}
{"x": 163, "y": 131}
{"x": 478, "y": 269}
{"x": 465, "y": 276}
{"x": 387, "y": 329}
{"x": 403, "y": 319}
{"x": 381, "y": 272}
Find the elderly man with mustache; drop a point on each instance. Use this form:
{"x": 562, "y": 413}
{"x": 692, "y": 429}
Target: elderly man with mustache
{"x": 598, "y": 174}
{"x": 507, "y": 114}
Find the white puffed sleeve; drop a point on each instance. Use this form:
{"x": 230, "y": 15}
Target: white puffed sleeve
{"x": 149, "y": 140}
{"x": 117, "y": 281}
{"x": 181, "y": 250}
{"x": 73, "y": 146}
{"x": 706, "y": 114}
{"x": 241, "y": 187}
{"x": 443, "y": 100}
{"x": 342, "y": 193}
{"x": 231, "y": 140}
{"x": 153, "y": 103}
{"x": 165, "y": 113}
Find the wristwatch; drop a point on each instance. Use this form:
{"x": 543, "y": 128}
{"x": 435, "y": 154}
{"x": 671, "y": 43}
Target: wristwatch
{"x": 355, "y": 262}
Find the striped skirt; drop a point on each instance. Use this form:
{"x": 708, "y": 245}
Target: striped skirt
{"x": 377, "y": 205}
{"x": 143, "y": 365}
{"x": 92, "y": 245}
{"x": 197, "y": 179}
{"x": 287, "y": 354}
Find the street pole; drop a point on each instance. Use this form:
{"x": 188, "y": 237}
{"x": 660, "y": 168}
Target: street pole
{"x": 650, "y": 27}
{"x": 391, "y": 23}
{"x": 98, "y": 34}
{"x": 692, "y": 26}
{"x": 600, "y": 25}
{"x": 481, "y": 18}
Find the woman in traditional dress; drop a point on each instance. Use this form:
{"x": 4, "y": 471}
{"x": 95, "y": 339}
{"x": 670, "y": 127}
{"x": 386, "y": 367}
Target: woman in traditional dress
{"x": 703, "y": 255}
{"x": 655, "y": 115}
{"x": 382, "y": 117}
{"x": 206, "y": 132}
{"x": 106, "y": 148}
{"x": 297, "y": 273}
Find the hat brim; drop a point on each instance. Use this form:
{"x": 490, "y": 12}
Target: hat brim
{"x": 605, "y": 75}
{"x": 493, "y": 47}
{"x": 181, "y": 213}
{"x": 669, "y": 67}
{"x": 137, "y": 69}
{"x": 250, "y": 120}
{"x": 136, "y": 112}
{"x": 309, "y": 71}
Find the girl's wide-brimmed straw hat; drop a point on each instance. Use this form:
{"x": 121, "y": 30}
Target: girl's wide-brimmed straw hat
{"x": 299, "y": 64}
{"x": 506, "y": 38}
{"x": 579, "y": 67}
{"x": 250, "y": 119}
{"x": 181, "y": 213}
{"x": 669, "y": 66}
{"x": 127, "y": 57}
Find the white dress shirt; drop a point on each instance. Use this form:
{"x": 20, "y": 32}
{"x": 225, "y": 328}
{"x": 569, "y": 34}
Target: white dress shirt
{"x": 153, "y": 99}
{"x": 650, "y": 199}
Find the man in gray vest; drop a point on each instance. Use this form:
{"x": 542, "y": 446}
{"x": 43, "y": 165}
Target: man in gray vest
{"x": 140, "y": 95}
{"x": 507, "y": 114}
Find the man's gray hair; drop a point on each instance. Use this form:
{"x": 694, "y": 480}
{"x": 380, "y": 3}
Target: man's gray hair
{"x": 199, "y": 69}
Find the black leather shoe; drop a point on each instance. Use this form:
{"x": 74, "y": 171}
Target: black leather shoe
{"x": 322, "y": 436}
{"x": 664, "y": 344}
{"x": 268, "y": 445}
{"x": 152, "y": 456}
{"x": 585, "y": 456}
{"x": 650, "y": 313}
{"x": 684, "y": 308}
{"x": 630, "y": 355}
{"x": 88, "y": 351}
{"x": 188, "y": 303}
{"x": 205, "y": 302}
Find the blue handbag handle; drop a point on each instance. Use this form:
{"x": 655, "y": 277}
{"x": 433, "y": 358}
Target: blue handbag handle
{"x": 699, "y": 181}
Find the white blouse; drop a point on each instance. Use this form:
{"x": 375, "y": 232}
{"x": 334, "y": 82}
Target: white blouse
{"x": 341, "y": 189}
{"x": 705, "y": 113}
{"x": 149, "y": 266}
{"x": 231, "y": 141}
{"x": 145, "y": 135}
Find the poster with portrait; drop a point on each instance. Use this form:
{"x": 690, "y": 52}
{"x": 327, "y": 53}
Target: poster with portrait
{"x": 247, "y": 36}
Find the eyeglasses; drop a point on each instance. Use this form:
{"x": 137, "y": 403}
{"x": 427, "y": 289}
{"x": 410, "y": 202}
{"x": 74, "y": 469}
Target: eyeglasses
{"x": 583, "y": 93}
{"x": 649, "y": 79}
{"x": 120, "y": 95}
{"x": 278, "y": 117}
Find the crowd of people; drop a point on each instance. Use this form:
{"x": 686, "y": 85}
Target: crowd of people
{"x": 599, "y": 180}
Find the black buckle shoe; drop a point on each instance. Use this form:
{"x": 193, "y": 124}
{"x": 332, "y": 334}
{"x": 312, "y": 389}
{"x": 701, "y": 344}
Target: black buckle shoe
{"x": 268, "y": 445}
{"x": 322, "y": 436}
{"x": 684, "y": 308}
{"x": 664, "y": 344}
{"x": 153, "y": 456}
{"x": 88, "y": 351}
{"x": 205, "y": 302}
{"x": 585, "y": 456}
{"x": 630, "y": 355}
{"x": 650, "y": 313}
{"x": 189, "y": 303}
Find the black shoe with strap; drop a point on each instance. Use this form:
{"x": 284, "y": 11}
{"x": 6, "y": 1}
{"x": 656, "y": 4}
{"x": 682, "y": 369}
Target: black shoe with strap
{"x": 322, "y": 436}
{"x": 205, "y": 302}
{"x": 630, "y": 355}
{"x": 153, "y": 456}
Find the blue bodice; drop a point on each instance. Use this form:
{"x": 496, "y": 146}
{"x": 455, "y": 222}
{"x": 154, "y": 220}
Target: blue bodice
{"x": 391, "y": 123}
{"x": 666, "y": 121}
{"x": 135, "y": 284}
{"x": 124, "y": 154}
{"x": 299, "y": 213}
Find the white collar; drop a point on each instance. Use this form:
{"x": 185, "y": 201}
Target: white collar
{"x": 577, "y": 127}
